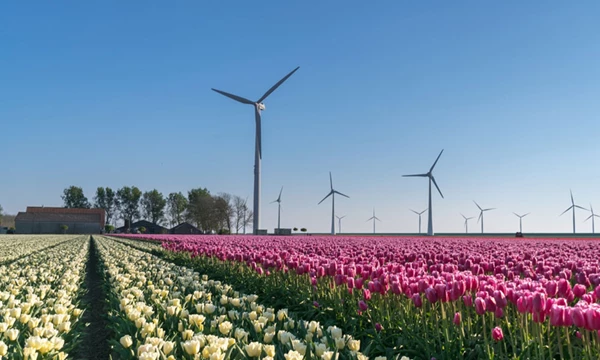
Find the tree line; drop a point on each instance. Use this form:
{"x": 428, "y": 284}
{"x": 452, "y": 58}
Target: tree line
{"x": 222, "y": 212}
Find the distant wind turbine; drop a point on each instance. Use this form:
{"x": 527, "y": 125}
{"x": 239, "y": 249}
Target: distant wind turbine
{"x": 419, "y": 213}
{"x": 573, "y": 206}
{"x": 332, "y": 194}
{"x": 340, "y": 222}
{"x": 258, "y": 107}
{"x": 521, "y": 221}
{"x": 592, "y": 217}
{"x": 373, "y": 218}
{"x": 429, "y": 175}
{"x": 481, "y": 214}
{"x": 466, "y": 223}
{"x": 278, "y": 201}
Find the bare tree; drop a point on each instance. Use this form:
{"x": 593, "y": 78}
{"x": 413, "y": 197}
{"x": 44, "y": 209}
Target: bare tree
{"x": 248, "y": 215}
{"x": 238, "y": 204}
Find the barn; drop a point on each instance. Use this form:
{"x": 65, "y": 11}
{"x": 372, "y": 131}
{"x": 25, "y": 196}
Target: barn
{"x": 185, "y": 228}
{"x": 51, "y": 220}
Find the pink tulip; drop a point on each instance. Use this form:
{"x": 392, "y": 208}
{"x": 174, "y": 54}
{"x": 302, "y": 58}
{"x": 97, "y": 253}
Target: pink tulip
{"x": 417, "y": 301}
{"x": 499, "y": 313}
{"x": 468, "y": 300}
{"x": 457, "y": 319}
{"x": 431, "y": 295}
{"x": 578, "y": 317}
{"x": 479, "y": 306}
{"x": 497, "y": 334}
{"x": 579, "y": 290}
{"x": 366, "y": 294}
{"x": 539, "y": 302}
{"x": 362, "y": 305}
{"x": 378, "y": 327}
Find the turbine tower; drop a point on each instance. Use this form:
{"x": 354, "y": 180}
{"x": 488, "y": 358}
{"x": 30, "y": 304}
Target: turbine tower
{"x": 592, "y": 217}
{"x": 419, "y": 213}
{"x": 481, "y": 214}
{"x": 466, "y": 223}
{"x": 278, "y": 201}
{"x": 573, "y": 206}
{"x": 340, "y": 223}
{"x": 332, "y": 194}
{"x": 521, "y": 221}
{"x": 429, "y": 175}
{"x": 373, "y": 218}
{"x": 258, "y": 107}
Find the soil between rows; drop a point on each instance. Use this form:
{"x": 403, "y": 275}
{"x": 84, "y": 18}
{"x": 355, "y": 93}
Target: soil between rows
{"x": 94, "y": 343}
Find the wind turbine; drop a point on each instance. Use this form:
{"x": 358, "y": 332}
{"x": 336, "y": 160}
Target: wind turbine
{"x": 258, "y": 107}
{"x": 419, "y": 213}
{"x": 332, "y": 194}
{"x": 278, "y": 201}
{"x": 429, "y": 175}
{"x": 592, "y": 217}
{"x": 573, "y": 206}
{"x": 340, "y": 222}
{"x": 481, "y": 214}
{"x": 521, "y": 221}
{"x": 466, "y": 223}
{"x": 373, "y": 218}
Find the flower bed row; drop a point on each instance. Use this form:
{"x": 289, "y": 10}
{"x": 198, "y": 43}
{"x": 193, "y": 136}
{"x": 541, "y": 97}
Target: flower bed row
{"x": 161, "y": 310}
{"x": 461, "y": 297}
{"x": 39, "y": 300}
{"x": 13, "y": 247}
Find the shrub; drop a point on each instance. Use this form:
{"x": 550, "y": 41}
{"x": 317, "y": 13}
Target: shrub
{"x": 64, "y": 228}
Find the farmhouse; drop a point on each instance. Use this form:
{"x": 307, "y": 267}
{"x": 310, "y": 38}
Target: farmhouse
{"x": 185, "y": 228}
{"x": 151, "y": 228}
{"x": 52, "y": 220}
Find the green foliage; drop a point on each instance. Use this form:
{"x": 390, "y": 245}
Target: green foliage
{"x": 109, "y": 228}
{"x": 303, "y": 230}
{"x": 295, "y": 229}
{"x": 142, "y": 229}
{"x": 153, "y": 206}
{"x": 177, "y": 203}
{"x": 73, "y": 197}
{"x": 128, "y": 202}
{"x": 106, "y": 199}
{"x": 64, "y": 228}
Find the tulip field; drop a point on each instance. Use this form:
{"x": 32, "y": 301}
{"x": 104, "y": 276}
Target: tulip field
{"x": 298, "y": 297}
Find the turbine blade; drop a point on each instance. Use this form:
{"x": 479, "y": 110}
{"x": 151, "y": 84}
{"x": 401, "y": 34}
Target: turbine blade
{"x": 572, "y": 201}
{"x": 436, "y": 160}
{"x": 369, "y": 219}
{"x": 416, "y": 175}
{"x": 339, "y": 193}
{"x": 437, "y": 187}
{"x": 480, "y": 215}
{"x": 274, "y": 87}
{"x": 589, "y": 217}
{"x": 414, "y": 211}
{"x": 376, "y": 218}
{"x": 477, "y": 205}
{"x": 489, "y": 209}
{"x": 570, "y": 207}
{"x": 280, "y": 191}
{"x": 464, "y": 217}
{"x": 517, "y": 215}
{"x": 328, "y": 195}
{"x": 258, "y": 131}
{"x": 526, "y": 214}
{"x": 274, "y": 201}
{"x": 234, "y": 97}
{"x": 579, "y": 207}
{"x": 330, "y": 180}
{"x": 423, "y": 211}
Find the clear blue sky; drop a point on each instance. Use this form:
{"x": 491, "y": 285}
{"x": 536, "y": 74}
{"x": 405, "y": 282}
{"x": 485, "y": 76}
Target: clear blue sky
{"x": 113, "y": 93}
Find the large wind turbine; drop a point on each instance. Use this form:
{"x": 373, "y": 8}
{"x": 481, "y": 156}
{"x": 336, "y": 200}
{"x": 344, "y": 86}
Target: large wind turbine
{"x": 373, "y": 218}
{"x": 466, "y": 223}
{"x": 258, "y": 107}
{"x": 481, "y": 214}
{"x": 573, "y": 206}
{"x": 592, "y": 217}
{"x": 340, "y": 222}
{"x": 429, "y": 175}
{"x": 332, "y": 194}
{"x": 521, "y": 221}
{"x": 278, "y": 201}
{"x": 419, "y": 213}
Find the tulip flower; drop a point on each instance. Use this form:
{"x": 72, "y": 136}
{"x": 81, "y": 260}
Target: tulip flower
{"x": 497, "y": 334}
{"x": 457, "y": 319}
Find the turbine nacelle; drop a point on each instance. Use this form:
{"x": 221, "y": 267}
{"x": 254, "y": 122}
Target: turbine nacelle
{"x": 260, "y": 106}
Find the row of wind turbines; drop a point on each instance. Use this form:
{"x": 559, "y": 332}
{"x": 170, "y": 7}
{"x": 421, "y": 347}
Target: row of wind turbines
{"x": 259, "y": 106}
